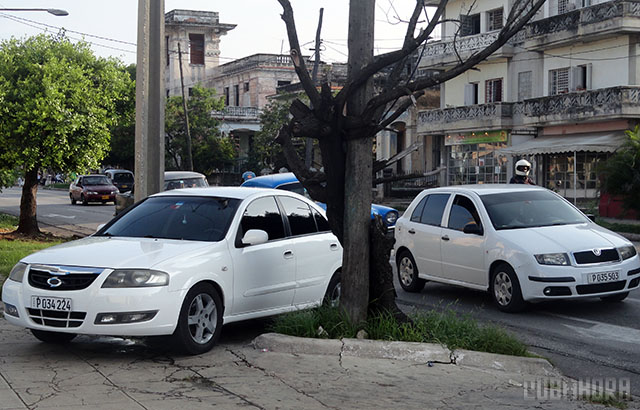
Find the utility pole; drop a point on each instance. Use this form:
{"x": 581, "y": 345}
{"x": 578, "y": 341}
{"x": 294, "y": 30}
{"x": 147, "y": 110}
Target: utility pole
{"x": 186, "y": 115}
{"x": 149, "y": 155}
{"x": 308, "y": 144}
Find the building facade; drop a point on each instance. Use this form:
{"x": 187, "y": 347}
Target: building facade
{"x": 560, "y": 93}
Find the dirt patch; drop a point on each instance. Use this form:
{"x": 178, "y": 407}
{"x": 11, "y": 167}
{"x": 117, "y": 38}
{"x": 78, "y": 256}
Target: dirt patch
{"x": 9, "y": 235}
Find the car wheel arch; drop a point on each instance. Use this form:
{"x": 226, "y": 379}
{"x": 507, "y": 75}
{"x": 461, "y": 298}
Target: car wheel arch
{"x": 493, "y": 267}
{"x": 399, "y": 252}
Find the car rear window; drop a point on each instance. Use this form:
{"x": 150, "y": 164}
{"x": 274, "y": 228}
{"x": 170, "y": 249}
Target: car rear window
{"x": 123, "y": 177}
{"x": 176, "y": 217}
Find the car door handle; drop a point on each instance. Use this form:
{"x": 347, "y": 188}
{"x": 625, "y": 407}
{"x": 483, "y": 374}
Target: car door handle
{"x": 288, "y": 254}
{"x": 333, "y": 246}
{"x": 445, "y": 238}
{"x": 411, "y": 231}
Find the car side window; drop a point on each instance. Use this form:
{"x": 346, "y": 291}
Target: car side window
{"x": 264, "y": 214}
{"x": 417, "y": 212}
{"x": 433, "y": 209}
{"x": 462, "y": 213}
{"x": 301, "y": 220}
{"x": 321, "y": 222}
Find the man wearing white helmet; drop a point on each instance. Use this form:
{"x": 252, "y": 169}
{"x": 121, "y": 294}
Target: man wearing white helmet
{"x": 523, "y": 167}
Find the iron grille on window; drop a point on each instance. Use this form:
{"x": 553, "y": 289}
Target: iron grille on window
{"x": 559, "y": 81}
{"x": 196, "y": 48}
{"x": 495, "y": 19}
{"x": 493, "y": 90}
{"x": 562, "y": 6}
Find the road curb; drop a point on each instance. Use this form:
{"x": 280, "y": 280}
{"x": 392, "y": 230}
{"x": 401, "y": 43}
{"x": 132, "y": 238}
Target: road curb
{"x": 407, "y": 351}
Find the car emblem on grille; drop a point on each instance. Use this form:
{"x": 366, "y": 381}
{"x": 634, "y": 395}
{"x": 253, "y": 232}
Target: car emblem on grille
{"x": 54, "y": 282}
{"x": 596, "y": 252}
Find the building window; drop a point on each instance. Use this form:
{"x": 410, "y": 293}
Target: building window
{"x": 196, "y": 48}
{"x": 226, "y": 96}
{"x": 190, "y": 92}
{"x": 469, "y": 25}
{"x": 493, "y": 90}
{"x": 524, "y": 85}
{"x": 236, "y": 95}
{"x": 246, "y": 87}
{"x": 476, "y": 164}
{"x": 563, "y": 6}
{"x": 283, "y": 82}
{"x": 494, "y": 18}
{"x": 471, "y": 94}
{"x": 560, "y": 168}
{"x": 581, "y": 77}
{"x": 166, "y": 48}
{"x": 559, "y": 81}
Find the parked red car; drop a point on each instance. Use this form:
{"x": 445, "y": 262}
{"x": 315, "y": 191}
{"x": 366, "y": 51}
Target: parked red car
{"x": 92, "y": 188}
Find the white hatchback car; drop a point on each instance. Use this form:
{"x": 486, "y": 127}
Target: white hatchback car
{"x": 180, "y": 263}
{"x": 520, "y": 242}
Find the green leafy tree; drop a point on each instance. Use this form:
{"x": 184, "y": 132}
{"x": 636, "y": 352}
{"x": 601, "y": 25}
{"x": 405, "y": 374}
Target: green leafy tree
{"x": 123, "y": 141}
{"x": 621, "y": 173}
{"x": 57, "y": 104}
{"x": 210, "y": 150}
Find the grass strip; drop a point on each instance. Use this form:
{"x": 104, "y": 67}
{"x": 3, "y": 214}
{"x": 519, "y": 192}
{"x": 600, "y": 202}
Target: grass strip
{"x": 446, "y": 328}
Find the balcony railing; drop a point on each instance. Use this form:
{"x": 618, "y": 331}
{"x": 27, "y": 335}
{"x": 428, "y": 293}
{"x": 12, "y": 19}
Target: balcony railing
{"x": 592, "y": 105}
{"x": 232, "y": 112}
{"x": 570, "y": 21}
{"x": 257, "y": 60}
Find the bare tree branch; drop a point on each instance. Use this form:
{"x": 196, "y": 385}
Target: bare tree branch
{"x": 296, "y": 54}
{"x": 311, "y": 180}
{"x": 510, "y": 29}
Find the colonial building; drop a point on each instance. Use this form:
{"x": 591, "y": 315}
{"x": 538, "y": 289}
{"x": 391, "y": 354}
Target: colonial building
{"x": 198, "y": 35}
{"x": 560, "y": 93}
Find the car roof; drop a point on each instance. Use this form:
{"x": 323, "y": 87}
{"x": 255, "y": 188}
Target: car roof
{"x": 225, "y": 192}
{"x": 271, "y": 181}
{"x": 118, "y": 171}
{"x": 169, "y": 175}
{"x": 487, "y": 189}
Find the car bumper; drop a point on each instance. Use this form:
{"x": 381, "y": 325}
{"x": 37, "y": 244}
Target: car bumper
{"x": 540, "y": 282}
{"x": 100, "y": 197}
{"x": 89, "y": 303}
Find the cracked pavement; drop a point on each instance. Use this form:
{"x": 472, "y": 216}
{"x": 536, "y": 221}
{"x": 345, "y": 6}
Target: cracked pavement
{"x": 115, "y": 373}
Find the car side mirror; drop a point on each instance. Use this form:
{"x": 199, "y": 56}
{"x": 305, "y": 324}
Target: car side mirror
{"x": 473, "y": 228}
{"x": 255, "y": 237}
{"x": 591, "y": 216}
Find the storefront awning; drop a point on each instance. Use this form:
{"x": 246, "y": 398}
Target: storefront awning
{"x": 597, "y": 142}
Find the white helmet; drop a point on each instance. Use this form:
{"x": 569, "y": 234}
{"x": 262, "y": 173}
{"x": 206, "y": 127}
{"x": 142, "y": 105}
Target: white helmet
{"x": 523, "y": 167}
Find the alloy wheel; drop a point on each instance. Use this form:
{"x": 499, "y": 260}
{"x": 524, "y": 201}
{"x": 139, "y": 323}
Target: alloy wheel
{"x": 406, "y": 271}
{"x": 503, "y": 288}
{"x": 202, "y": 318}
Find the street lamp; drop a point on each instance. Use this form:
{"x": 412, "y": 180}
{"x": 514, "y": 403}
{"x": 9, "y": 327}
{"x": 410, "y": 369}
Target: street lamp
{"x": 55, "y": 12}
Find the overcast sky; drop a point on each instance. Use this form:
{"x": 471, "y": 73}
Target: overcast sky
{"x": 259, "y": 26}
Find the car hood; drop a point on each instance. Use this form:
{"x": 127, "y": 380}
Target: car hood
{"x": 563, "y": 238}
{"x": 115, "y": 252}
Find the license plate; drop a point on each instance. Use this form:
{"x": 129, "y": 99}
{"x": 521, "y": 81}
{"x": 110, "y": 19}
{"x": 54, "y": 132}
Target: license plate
{"x": 601, "y": 277}
{"x": 124, "y": 186}
{"x": 49, "y": 303}
{"x": 105, "y": 196}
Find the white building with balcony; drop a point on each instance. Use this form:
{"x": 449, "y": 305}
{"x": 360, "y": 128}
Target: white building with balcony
{"x": 560, "y": 93}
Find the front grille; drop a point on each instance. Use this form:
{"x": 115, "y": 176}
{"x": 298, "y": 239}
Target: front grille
{"x": 600, "y": 287}
{"x": 72, "y": 281}
{"x": 54, "y": 318}
{"x": 606, "y": 255}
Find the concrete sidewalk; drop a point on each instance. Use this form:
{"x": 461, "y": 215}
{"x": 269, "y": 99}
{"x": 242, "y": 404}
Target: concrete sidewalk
{"x": 275, "y": 372}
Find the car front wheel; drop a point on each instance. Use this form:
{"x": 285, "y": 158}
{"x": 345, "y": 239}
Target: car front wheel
{"x": 200, "y": 320}
{"x": 53, "y": 337}
{"x": 408, "y": 273}
{"x": 505, "y": 289}
{"x": 332, "y": 296}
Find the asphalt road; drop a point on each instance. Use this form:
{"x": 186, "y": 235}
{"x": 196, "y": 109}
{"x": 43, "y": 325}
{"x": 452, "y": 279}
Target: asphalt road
{"x": 586, "y": 339}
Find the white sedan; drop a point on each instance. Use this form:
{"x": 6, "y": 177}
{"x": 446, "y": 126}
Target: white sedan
{"x": 180, "y": 263}
{"x": 519, "y": 242}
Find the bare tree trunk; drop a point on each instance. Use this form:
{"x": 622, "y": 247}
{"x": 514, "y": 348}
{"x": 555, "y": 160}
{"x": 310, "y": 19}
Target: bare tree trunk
{"x": 28, "y": 224}
{"x": 358, "y": 175}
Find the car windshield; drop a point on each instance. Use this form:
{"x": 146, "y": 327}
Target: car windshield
{"x": 528, "y": 209}
{"x": 176, "y": 217}
{"x": 96, "y": 180}
{"x": 196, "y": 182}
{"x": 123, "y": 177}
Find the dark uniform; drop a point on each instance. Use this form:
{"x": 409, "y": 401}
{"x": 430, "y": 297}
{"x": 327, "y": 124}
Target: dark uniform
{"x": 521, "y": 179}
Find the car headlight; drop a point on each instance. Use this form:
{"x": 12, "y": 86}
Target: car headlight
{"x": 17, "y": 273}
{"x": 627, "y": 252}
{"x": 552, "y": 259}
{"x": 391, "y": 217}
{"x": 136, "y": 278}
{"x": 92, "y": 193}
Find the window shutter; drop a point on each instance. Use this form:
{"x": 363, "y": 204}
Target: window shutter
{"x": 574, "y": 78}
{"x": 468, "y": 94}
{"x": 588, "y": 79}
